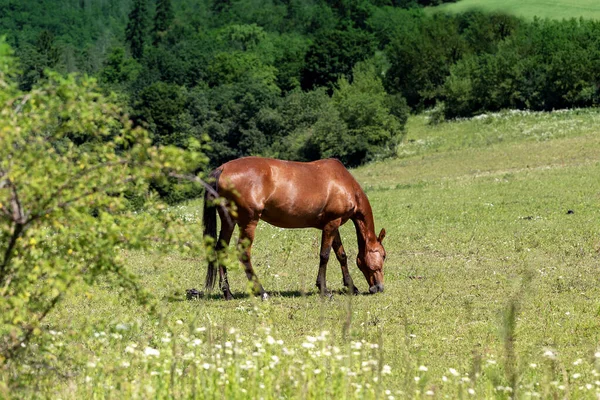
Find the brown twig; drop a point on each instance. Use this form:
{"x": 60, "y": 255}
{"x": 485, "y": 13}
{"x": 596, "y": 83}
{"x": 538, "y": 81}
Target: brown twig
{"x": 207, "y": 187}
{"x": 18, "y": 218}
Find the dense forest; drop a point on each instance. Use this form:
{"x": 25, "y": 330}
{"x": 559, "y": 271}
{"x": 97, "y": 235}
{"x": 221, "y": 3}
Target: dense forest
{"x": 302, "y": 79}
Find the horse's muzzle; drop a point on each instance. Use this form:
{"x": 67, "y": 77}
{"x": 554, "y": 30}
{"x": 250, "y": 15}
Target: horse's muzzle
{"x": 376, "y": 288}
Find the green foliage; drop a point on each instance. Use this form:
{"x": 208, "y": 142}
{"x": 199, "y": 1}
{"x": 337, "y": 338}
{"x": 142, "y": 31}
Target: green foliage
{"x": 545, "y": 65}
{"x": 163, "y": 17}
{"x": 363, "y": 127}
{"x": 68, "y": 161}
{"x": 137, "y": 26}
{"x": 233, "y": 67}
{"x": 291, "y": 122}
{"x": 230, "y": 69}
{"x": 160, "y": 105}
{"x": 118, "y": 70}
{"x": 352, "y": 13}
{"x": 421, "y": 58}
{"x": 483, "y": 32}
{"x": 287, "y": 52}
{"x": 36, "y": 59}
{"x": 244, "y": 37}
{"x": 388, "y": 23}
{"x": 333, "y": 55}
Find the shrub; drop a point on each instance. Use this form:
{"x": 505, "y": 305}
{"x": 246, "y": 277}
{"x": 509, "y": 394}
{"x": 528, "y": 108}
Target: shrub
{"x": 68, "y": 162}
{"x": 362, "y": 125}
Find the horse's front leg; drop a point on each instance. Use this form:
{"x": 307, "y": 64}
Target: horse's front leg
{"x": 245, "y": 244}
{"x": 343, "y": 259}
{"x": 326, "y": 242}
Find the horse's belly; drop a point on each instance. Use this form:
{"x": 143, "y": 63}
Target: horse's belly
{"x": 287, "y": 219}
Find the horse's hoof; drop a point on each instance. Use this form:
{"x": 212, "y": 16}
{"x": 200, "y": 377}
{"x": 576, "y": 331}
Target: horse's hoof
{"x": 192, "y": 294}
{"x": 354, "y": 291}
{"x": 264, "y": 296}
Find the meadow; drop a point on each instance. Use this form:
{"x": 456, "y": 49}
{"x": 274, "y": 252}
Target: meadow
{"x": 554, "y": 9}
{"x": 491, "y": 287}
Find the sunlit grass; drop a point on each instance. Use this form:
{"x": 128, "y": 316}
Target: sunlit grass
{"x": 491, "y": 288}
{"x": 554, "y": 9}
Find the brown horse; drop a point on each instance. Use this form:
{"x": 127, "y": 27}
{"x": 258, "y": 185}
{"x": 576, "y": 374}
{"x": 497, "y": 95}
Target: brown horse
{"x": 320, "y": 194}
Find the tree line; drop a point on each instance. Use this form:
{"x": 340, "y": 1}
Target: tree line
{"x": 303, "y": 79}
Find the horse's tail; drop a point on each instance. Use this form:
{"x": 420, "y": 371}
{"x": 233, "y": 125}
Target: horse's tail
{"x": 209, "y": 222}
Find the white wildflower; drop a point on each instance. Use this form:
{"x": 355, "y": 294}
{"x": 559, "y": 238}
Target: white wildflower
{"x": 550, "y": 354}
{"x": 149, "y": 351}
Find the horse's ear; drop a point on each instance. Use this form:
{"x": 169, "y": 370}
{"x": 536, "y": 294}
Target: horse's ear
{"x": 381, "y": 236}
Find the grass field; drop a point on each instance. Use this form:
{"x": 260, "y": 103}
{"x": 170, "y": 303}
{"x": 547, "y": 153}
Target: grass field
{"x": 554, "y": 9}
{"x": 491, "y": 288}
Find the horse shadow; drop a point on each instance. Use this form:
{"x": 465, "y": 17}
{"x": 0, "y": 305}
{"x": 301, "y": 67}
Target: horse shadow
{"x": 195, "y": 295}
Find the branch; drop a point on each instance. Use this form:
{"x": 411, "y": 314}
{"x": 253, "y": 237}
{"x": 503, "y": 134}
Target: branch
{"x": 9, "y": 250}
{"x": 208, "y": 188}
{"x": 12, "y": 351}
{"x": 19, "y": 107}
{"x": 193, "y": 178}
{"x": 73, "y": 180}
{"x": 19, "y": 219}
{"x": 66, "y": 203}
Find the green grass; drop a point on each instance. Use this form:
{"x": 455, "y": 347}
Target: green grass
{"x": 554, "y": 9}
{"x": 477, "y": 222}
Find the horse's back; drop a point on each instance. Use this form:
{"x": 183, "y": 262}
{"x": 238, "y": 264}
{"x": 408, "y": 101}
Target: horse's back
{"x": 288, "y": 193}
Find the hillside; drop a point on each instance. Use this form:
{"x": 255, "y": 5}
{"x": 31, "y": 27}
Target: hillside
{"x": 554, "y": 9}
{"x": 492, "y": 262}
{"x": 304, "y": 80}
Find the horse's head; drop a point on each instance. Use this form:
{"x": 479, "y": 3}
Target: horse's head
{"x": 370, "y": 262}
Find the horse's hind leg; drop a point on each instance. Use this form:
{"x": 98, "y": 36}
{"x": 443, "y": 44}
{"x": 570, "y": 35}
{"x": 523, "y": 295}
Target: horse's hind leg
{"x": 245, "y": 244}
{"x": 343, "y": 259}
{"x": 227, "y": 227}
{"x": 327, "y": 239}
